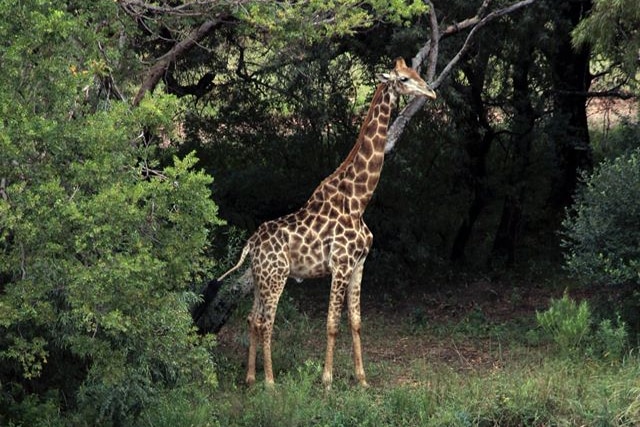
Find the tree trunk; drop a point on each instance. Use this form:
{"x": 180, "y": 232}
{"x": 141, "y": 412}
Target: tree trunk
{"x": 219, "y": 300}
{"x": 477, "y": 153}
{"x": 572, "y": 81}
{"x": 510, "y": 225}
{"x": 477, "y": 148}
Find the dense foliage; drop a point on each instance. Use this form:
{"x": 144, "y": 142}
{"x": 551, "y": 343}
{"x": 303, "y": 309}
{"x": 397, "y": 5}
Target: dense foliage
{"x": 115, "y": 115}
{"x": 480, "y": 177}
{"x": 612, "y": 29}
{"x": 602, "y": 234}
{"x": 98, "y": 241}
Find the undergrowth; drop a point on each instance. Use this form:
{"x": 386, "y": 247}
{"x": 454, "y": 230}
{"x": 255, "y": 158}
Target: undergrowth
{"x": 530, "y": 382}
{"x": 546, "y": 392}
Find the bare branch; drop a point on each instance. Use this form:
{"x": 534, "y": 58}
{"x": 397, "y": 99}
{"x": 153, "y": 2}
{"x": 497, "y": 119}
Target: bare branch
{"x": 108, "y": 82}
{"x": 467, "y": 43}
{"x": 430, "y": 50}
{"x": 137, "y": 8}
{"x": 469, "y": 22}
{"x": 435, "y": 44}
{"x": 608, "y": 93}
{"x": 3, "y": 188}
{"x": 147, "y": 172}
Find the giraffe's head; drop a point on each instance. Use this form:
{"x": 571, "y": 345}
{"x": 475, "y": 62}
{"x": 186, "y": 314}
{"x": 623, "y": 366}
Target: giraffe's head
{"x": 405, "y": 81}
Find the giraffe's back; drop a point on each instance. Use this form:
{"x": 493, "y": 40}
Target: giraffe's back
{"x": 307, "y": 244}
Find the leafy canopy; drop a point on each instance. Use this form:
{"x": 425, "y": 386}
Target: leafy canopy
{"x": 98, "y": 241}
{"x": 312, "y": 20}
{"x": 612, "y": 29}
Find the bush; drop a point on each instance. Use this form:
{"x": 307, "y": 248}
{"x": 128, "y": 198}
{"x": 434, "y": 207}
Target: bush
{"x": 602, "y": 234}
{"x": 101, "y": 232}
{"x": 571, "y": 327}
{"x": 609, "y": 340}
{"x": 567, "y": 323}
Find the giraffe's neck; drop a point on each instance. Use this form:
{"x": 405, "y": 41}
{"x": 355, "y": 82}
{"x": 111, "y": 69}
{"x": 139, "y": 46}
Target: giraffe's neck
{"x": 350, "y": 187}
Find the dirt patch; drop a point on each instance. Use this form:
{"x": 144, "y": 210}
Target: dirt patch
{"x": 402, "y": 330}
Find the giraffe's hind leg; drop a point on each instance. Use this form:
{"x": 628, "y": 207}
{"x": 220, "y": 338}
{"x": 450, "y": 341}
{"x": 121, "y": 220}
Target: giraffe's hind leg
{"x": 255, "y": 337}
{"x": 270, "y": 305}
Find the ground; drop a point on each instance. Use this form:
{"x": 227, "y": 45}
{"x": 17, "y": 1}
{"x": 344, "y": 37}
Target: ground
{"x": 402, "y": 329}
{"x": 468, "y": 353}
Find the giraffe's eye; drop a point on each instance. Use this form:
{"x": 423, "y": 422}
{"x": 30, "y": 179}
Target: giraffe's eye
{"x": 404, "y": 79}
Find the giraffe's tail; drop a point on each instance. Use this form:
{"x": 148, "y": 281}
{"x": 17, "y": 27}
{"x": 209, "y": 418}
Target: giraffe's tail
{"x": 212, "y": 312}
{"x": 243, "y": 256}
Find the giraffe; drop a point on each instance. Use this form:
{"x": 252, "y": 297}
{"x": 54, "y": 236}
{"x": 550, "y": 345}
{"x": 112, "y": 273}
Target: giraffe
{"x": 327, "y": 235}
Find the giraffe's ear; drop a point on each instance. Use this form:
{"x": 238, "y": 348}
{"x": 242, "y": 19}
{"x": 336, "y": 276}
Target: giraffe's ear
{"x": 384, "y": 77}
{"x": 400, "y": 64}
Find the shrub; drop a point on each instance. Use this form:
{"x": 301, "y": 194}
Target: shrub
{"x": 602, "y": 234}
{"x": 609, "y": 340}
{"x": 567, "y": 323}
{"x": 101, "y": 232}
{"x": 571, "y": 327}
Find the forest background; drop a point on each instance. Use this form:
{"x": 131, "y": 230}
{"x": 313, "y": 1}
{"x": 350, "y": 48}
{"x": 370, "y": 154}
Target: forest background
{"x": 141, "y": 142}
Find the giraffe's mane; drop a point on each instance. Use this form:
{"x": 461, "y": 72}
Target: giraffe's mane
{"x": 354, "y": 151}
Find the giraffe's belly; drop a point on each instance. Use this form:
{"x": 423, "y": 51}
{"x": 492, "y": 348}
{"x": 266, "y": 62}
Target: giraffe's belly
{"x": 315, "y": 250}
{"x": 309, "y": 257}
{"x": 308, "y": 267}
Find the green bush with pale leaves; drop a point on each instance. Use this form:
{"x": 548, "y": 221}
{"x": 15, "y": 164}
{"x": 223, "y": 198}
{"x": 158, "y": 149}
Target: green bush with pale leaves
{"x": 602, "y": 233}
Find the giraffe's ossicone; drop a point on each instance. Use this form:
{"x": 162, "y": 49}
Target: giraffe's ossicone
{"x": 327, "y": 236}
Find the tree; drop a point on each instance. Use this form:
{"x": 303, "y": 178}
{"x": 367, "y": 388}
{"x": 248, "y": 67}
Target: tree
{"x": 99, "y": 242}
{"x": 612, "y": 30}
{"x": 512, "y": 75}
{"x": 571, "y": 87}
{"x": 274, "y": 23}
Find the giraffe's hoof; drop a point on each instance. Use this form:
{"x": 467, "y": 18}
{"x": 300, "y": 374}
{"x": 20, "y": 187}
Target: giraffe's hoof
{"x": 250, "y": 381}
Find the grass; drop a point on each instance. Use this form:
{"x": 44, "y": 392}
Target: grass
{"x": 470, "y": 370}
{"x": 550, "y": 392}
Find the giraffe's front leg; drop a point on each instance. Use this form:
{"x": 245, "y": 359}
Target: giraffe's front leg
{"x": 355, "y": 321}
{"x": 338, "y": 288}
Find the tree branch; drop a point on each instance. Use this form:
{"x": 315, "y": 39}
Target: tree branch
{"x": 430, "y": 48}
{"x": 157, "y": 70}
{"x": 196, "y": 8}
{"x": 469, "y": 22}
{"x": 430, "y": 51}
{"x": 3, "y": 188}
{"x": 467, "y": 43}
{"x": 608, "y": 93}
